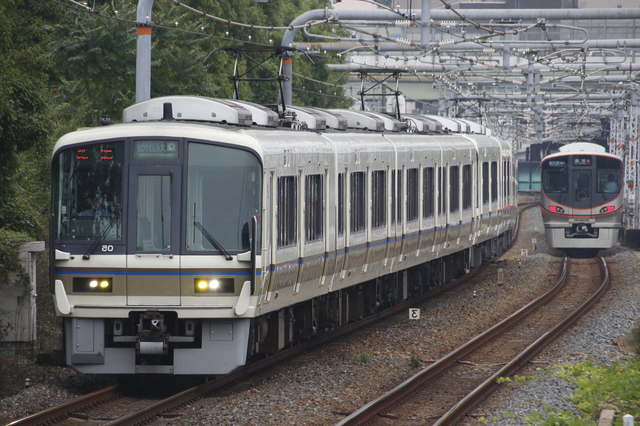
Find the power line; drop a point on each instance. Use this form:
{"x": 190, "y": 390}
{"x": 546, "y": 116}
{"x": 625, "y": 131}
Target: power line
{"x": 249, "y": 26}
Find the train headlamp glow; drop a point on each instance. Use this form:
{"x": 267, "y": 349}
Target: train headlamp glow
{"x": 607, "y": 209}
{"x": 92, "y": 285}
{"x": 556, "y": 209}
{"x": 214, "y": 285}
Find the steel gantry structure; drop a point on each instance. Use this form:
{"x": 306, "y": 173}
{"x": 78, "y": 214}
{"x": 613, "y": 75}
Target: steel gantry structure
{"x": 535, "y": 75}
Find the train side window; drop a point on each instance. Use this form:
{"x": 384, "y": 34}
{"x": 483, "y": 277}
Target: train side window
{"x": 485, "y": 183}
{"x": 505, "y": 180}
{"x": 427, "y": 192}
{"x": 413, "y": 196}
{"x": 287, "y": 211}
{"x": 466, "y": 187}
{"x": 454, "y": 189}
{"x": 378, "y": 199}
{"x": 396, "y": 197}
{"x": 508, "y": 180}
{"x": 443, "y": 193}
{"x": 494, "y": 181}
{"x": 399, "y": 197}
{"x": 340, "y": 204}
{"x": 358, "y": 191}
{"x": 314, "y": 217}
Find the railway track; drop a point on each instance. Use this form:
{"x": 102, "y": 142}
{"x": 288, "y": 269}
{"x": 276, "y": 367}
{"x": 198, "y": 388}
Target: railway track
{"x": 114, "y": 406}
{"x": 444, "y": 392}
{"x": 130, "y": 412}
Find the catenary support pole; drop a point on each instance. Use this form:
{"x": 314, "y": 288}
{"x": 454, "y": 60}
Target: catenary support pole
{"x": 143, "y": 54}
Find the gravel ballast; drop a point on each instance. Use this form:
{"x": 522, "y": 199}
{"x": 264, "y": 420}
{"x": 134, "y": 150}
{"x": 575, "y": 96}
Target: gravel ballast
{"x": 322, "y": 387}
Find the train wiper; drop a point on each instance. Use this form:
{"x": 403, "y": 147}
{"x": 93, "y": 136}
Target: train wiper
{"x": 101, "y": 238}
{"x": 212, "y": 240}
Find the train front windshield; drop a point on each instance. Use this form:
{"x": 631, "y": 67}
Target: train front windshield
{"x": 214, "y": 215}
{"x": 609, "y": 175}
{"x": 581, "y": 181}
{"x": 88, "y": 192}
{"x": 555, "y": 175}
{"x": 223, "y": 196}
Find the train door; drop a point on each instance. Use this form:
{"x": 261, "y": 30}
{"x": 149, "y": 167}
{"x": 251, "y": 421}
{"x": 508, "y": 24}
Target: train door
{"x": 153, "y": 261}
{"x": 582, "y": 191}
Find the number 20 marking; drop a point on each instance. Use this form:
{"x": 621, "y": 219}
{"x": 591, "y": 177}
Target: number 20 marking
{"x": 107, "y": 248}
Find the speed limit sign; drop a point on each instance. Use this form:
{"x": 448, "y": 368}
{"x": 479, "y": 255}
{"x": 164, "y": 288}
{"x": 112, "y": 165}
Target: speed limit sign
{"x": 414, "y": 313}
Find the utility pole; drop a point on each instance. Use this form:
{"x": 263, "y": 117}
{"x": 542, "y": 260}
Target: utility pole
{"x": 143, "y": 54}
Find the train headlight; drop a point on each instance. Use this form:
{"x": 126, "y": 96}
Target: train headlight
{"x": 607, "y": 209}
{"x": 214, "y": 285}
{"x": 556, "y": 209}
{"x": 92, "y": 285}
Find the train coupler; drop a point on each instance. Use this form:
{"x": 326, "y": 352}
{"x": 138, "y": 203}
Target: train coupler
{"x": 152, "y": 337}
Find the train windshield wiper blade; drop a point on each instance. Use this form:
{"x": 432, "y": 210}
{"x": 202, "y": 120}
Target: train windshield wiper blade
{"x": 101, "y": 237}
{"x": 212, "y": 240}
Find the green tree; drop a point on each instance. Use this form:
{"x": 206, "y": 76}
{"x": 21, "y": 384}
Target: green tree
{"x": 95, "y": 61}
{"x": 26, "y": 116}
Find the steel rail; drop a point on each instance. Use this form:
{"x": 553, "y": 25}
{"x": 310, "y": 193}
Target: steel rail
{"x": 142, "y": 416}
{"x": 148, "y": 413}
{"x": 517, "y": 363}
{"x": 197, "y": 392}
{"x": 395, "y": 396}
{"x": 63, "y": 411}
{"x": 430, "y": 373}
{"x": 189, "y": 395}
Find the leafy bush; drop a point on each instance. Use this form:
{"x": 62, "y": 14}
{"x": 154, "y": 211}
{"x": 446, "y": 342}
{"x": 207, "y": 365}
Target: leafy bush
{"x": 635, "y": 332}
{"x": 10, "y": 242}
{"x": 362, "y": 357}
{"x": 617, "y": 385}
{"x": 415, "y": 362}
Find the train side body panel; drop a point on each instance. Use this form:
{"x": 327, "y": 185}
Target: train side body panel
{"x": 189, "y": 247}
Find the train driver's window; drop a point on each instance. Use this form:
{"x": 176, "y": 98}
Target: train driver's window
{"x": 554, "y": 176}
{"x": 223, "y": 197}
{"x": 609, "y": 175}
{"x": 88, "y": 192}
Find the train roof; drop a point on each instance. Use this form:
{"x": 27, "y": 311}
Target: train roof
{"x": 247, "y": 114}
{"x": 241, "y": 120}
{"x": 577, "y": 148}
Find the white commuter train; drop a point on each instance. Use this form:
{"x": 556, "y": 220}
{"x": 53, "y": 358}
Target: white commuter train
{"x": 582, "y": 197}
{"x": 200, "y": 233}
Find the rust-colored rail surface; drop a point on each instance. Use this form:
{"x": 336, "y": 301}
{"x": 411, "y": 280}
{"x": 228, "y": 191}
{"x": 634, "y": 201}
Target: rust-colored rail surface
{"x": 62, "y": 412}
{"x": 113, "y": 406}
{"x": 448, "y": 389}
{"x": 77, "y": 407}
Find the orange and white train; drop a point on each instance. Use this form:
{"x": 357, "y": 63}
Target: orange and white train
{"x": 582, "y": 197}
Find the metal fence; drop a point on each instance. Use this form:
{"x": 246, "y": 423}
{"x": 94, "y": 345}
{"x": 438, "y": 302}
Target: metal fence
{"x": 22, "y": 361}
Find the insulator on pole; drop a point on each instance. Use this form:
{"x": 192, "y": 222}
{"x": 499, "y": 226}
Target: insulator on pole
{"x": 403, "y": 23}
{"x": 402, "y": 41}
{"x": 449, "y": 42}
